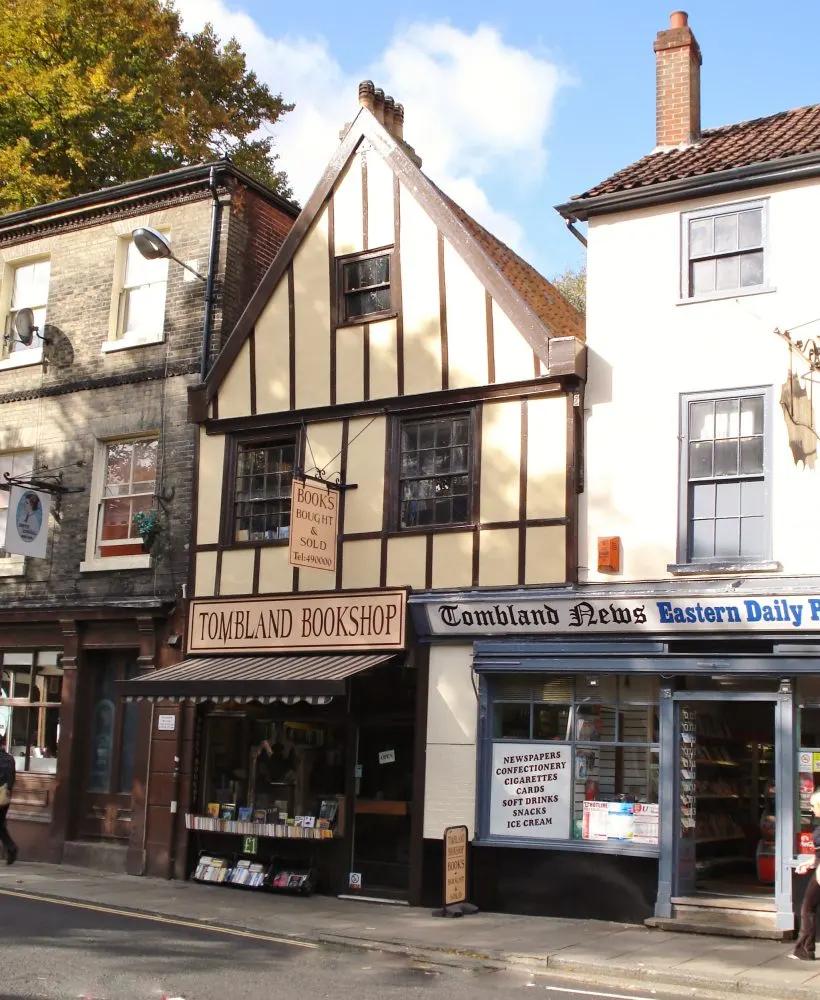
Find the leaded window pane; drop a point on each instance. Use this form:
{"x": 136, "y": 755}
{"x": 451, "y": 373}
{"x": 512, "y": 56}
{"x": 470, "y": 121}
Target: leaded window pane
{"x": 434, "y": 482}
{"x": 366, "y": 286}
{"x": 264, "y": 476}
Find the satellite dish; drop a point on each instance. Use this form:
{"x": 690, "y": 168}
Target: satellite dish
{"x": 151, "y": 244}
{"x": 24, "y": 327}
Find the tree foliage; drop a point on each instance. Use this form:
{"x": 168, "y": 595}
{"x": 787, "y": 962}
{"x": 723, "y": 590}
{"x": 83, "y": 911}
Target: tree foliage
{"x": 572, "y": 284}
{"x": 97, "y": 92}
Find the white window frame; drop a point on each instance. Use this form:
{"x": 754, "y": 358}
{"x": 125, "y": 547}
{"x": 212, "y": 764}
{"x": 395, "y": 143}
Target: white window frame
{"x": 94, "y": 562}
{"x": 34, "y": 354}
{"x": 118, "y": 339}
{"x": 686, "y": 294}
{"x": 685, "y": 565}
{"x": 14, "y": 564}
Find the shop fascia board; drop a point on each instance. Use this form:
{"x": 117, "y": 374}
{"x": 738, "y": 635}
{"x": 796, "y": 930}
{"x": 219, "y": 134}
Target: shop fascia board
{"x": 535, "y": 658}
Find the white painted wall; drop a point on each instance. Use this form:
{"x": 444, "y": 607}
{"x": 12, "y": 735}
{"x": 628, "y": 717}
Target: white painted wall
{"x": 452, "y": 712}
{"x": 646, "y": 348}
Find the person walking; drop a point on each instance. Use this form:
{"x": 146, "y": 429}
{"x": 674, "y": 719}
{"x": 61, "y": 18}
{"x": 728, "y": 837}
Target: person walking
{"x": 804, "y": 947}
{"x": 8, "y": 772}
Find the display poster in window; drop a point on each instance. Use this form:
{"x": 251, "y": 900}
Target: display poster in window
{"x": 646, "y": 823}
{"x": 314, "y": 524}
{"x": 531, "y": 791}
{"x": 595, "y": 821}
{"x": 27, "y": 523}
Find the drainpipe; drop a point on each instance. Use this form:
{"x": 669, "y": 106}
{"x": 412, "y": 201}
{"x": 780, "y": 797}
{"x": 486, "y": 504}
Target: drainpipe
{"x": 213, "y": 260}
{"x": 578, "y": 235}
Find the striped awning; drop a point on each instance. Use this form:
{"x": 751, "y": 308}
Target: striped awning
{"x": 314, "y": 679}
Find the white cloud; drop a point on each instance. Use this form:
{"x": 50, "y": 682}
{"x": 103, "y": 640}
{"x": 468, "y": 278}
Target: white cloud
{"x": 477, "y": 110}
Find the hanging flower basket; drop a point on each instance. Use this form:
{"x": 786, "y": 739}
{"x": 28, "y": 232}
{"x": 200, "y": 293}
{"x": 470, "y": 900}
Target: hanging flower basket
{"x": 148, "y": 527}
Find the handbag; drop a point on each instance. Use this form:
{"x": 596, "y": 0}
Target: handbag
{"x": 5, "y": 796}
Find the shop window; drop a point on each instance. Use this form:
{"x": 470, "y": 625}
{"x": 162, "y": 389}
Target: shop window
{"x": 140, "y": 297}
{"x": 264, "y": 766}
{"x": 724, "y": 492}
{"x": 30, "y": 694}
{"x": 28, "y": 283}
{"x": 587, "y": 749}
{"x": 435, "y": 471}
{"x": 365, "y": 287}
{"x": 262, "y": 490}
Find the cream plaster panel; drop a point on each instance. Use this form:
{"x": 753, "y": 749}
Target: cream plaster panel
{"x": 545, "y": 558}
{"x": 275, "y": 573}
{"x": 205, "y": 579}
{"x": 211, "y": 471}
{"x": 383, "y": 373}
{"x": 316, "y": 579}
{"x": 349, "y": 364}
{"x": 347, "y": 209}
{"x": 406, "y": 559}
{"x": 380, "y": 224}
{"x": 365, "y": 466}
{"x": 235, "y": 390}
{"x": 452, "y": 707}
{"x": 498, "y": 558}
{"x": 547, "y": 457}
{"x": 449, "y": 789}
{"x": 272, "y": 349}
{"x": 514, "y": 359}
{"x": 323, "y": 447}
{"x": 362, "y": 561}
{"x": 453, "y": 559}
{"x": 236, "y": 576}
{"x": 500, "y": 461}
{"x": 633, "y": 313}
{"x": 311, "y": 288}
{"x": 466, "y": 323}
{"x": 420, "y": 298}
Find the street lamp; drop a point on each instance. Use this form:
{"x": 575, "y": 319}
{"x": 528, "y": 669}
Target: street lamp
{"x": 154, "y": 246}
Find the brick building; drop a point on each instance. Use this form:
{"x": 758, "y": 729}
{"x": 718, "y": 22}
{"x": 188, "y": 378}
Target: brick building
{"x": 93, "y": 409}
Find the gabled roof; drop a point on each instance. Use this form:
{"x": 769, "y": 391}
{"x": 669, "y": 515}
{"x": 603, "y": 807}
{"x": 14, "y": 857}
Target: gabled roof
{"x": 532, "y": 303}
{"x": 752, "y": 147}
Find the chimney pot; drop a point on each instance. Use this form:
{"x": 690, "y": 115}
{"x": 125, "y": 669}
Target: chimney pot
{"x": 378, "y": 109}
{"x": 398, "y": 122}
{"x": 678, "y": 62}
{"x": 389, "y": 114}
{"x": 366, "y": 94}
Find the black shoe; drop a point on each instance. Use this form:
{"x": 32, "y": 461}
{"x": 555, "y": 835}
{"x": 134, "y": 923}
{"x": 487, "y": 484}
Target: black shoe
{"x": 802, "y": 955}
{"x": 11, "y": 855}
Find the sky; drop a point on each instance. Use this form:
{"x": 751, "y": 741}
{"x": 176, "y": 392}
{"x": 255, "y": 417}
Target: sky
{"x": 513, "y": 106}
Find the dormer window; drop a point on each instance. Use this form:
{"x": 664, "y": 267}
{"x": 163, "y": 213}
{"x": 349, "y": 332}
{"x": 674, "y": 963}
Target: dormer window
{"x": 365, "y": 288}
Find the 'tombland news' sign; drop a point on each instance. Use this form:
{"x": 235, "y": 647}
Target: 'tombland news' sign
{"x": 599, "y": 615}
{"x": 531, "y": 791}
{"x": 314, "y": 525}
{"x": 301, "y": 623}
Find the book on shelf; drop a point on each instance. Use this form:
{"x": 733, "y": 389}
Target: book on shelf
{"x": 244, "y": 814}
{"x": 213, "y": 809}
{"x": 228, "y": 811}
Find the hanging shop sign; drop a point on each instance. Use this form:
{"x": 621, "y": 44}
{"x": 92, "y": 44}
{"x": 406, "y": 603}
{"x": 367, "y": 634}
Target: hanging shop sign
{"x": 600, "y": 615}
{"x": 531, "y": 791}
{"x": 27, "y": 522}
{"x": 314, "y": 525}
{"x": 300, "y": 623}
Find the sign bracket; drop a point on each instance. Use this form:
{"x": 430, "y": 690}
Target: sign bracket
{"x": 332, "y": 484}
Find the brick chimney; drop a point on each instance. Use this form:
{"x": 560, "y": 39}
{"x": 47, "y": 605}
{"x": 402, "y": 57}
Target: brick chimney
{"x": 678, "y": 63}
{"x": 387, "y": 112}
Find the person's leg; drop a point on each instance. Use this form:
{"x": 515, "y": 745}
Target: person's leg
{"x": 5, "y": 837}
{"x": 804, "y": 947}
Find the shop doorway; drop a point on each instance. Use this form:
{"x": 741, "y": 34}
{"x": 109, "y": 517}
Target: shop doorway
{"x": 383, "y": 780}
{"x": 109, "y": 745}
{"x": 729, "y": 796}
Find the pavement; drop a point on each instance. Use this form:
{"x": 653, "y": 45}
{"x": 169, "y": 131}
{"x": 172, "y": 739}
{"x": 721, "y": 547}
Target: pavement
{"x": 697, "y": 965}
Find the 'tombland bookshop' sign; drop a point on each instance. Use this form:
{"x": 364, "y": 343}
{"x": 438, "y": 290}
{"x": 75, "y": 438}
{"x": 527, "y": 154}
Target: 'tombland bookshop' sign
{"x": 600, "y": 615}
{"x": 300, "y": 623}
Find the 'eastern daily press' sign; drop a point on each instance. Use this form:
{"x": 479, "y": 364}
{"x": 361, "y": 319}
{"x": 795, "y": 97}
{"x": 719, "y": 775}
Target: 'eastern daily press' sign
{"x": 301, "y": 623}
{"x": 599, "y": 615}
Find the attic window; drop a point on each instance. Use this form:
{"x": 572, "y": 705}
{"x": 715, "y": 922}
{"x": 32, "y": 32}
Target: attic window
{"x": 365, "y": 290}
